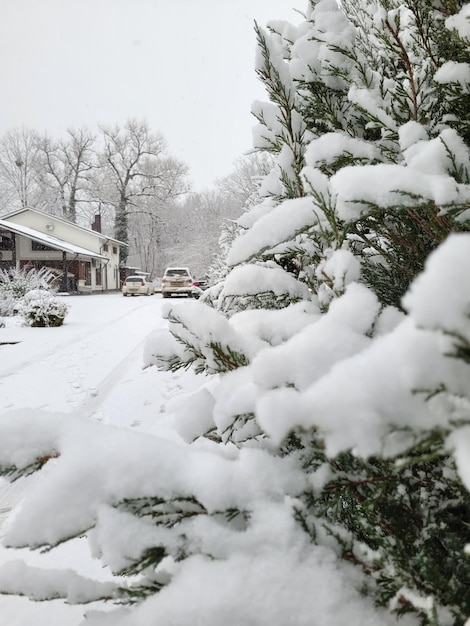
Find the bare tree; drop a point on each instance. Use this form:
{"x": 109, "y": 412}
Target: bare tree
{"x": 146, "y": 234}
{"x": 243, "y": 183}
{"x": 191, "y": 232}
{"x": 137, "y": 167}
{"x": 66, "y": 168}
{"x": 19, "y": 169}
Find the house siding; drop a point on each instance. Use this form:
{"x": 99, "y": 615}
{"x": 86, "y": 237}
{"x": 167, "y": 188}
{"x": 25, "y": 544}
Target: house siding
{"x": 60, "y": 229}
{"x": 93, "y": 275}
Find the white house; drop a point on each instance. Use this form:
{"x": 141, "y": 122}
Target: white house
{"x": 87, "y": 260}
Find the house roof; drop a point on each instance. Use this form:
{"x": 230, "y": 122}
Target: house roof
{"x": 64, "y": 221}
{"x": 48, "y": 240}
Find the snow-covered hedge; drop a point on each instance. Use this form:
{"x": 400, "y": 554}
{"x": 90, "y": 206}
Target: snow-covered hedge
{"x": 7, "y": 303}
{"x": 41, "y": 308}
{"x": 15, "y": 284}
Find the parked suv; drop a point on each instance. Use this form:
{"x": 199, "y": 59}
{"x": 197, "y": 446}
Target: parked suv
{"x": 177, "y": 281}
{"x": 137, "y": 285}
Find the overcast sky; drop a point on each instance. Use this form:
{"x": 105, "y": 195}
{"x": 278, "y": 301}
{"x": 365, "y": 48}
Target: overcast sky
{"x": 185, "y": 66}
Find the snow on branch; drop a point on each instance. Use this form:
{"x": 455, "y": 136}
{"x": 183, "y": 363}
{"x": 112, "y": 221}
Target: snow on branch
{"x": 48, "y": 584}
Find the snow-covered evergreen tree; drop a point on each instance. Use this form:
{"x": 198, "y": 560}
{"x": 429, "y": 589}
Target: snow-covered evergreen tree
{"x": 324, "y": 473}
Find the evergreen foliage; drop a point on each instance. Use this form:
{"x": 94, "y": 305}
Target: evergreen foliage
{"x": 402, "y": 520}
{"x": 121, "y": 230}
{"x": 341, "y": 100}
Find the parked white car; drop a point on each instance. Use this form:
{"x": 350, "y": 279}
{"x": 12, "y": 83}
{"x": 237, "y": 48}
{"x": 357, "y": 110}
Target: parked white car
{"x": 137, "y": 286}
{"x": 177, "y": 281}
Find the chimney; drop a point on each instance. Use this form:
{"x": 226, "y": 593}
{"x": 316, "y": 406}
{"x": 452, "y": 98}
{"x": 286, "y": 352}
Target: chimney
{"x": 96, "y": 225}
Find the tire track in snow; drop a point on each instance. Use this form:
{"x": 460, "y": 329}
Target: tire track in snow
{"x": 82, "y": 334}
{"x": 62, "y": 380}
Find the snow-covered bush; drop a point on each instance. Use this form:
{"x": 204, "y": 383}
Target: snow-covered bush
{"x": 41, "y": 308}
{"x": 15, "y": 284}
{"x": 369, "y": 181}
{"x": 8, "y": 303}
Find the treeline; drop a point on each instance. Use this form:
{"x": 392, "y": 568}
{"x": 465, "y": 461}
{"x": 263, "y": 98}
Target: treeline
{"x": 129, "y": 177}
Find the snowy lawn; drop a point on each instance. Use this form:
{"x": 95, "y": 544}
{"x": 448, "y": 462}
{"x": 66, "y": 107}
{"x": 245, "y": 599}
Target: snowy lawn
{"x": 91, "y": 367}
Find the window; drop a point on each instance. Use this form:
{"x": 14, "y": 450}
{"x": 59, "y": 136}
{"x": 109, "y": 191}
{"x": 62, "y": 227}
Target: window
{"x": 175, "y": 271}
{"x": 98, "y": 276}
{"x": 105, "y": 247}
{"x": 40, "y": 247}
{"x": 6, "y": 243}
{"x": 114, "y": 249}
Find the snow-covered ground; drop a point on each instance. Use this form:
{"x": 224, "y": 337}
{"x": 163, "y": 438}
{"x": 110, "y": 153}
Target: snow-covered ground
{"x": 91, "y": 367}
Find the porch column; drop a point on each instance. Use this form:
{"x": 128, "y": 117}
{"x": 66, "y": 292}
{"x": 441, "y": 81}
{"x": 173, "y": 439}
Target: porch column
{"x": 14, "y": 260}
{"x": 64, "y": 286}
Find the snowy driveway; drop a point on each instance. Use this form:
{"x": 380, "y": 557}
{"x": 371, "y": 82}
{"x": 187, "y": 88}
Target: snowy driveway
{"x": 64, "y": 369}
{"x": 91, "y": 367}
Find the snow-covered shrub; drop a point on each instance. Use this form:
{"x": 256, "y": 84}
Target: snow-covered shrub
{"x": 264, "y": 286}
{"x": 8, "y": 303}
{"x": 15, "y": 284}
{"x": 42, "y": 308}
{"x": 363, "y": 402}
